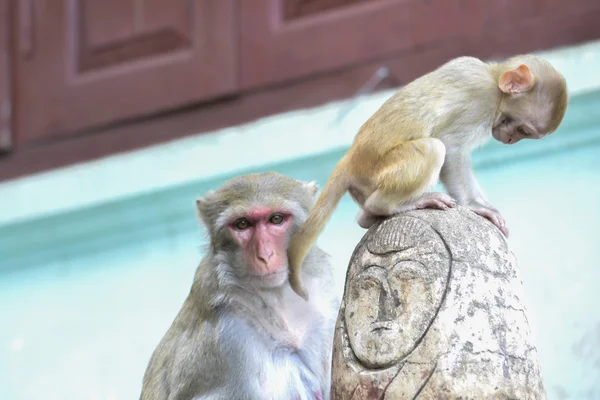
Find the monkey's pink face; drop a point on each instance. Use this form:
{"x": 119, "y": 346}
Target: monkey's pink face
{"x": 510, "y": 131}
{"x": 261, "y": 234}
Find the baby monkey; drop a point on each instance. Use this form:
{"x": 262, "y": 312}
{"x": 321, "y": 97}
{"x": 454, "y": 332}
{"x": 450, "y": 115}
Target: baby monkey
{"x": 426, "y": 131}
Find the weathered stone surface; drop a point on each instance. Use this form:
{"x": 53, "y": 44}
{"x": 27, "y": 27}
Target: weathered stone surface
{"x": 432, "y": 309}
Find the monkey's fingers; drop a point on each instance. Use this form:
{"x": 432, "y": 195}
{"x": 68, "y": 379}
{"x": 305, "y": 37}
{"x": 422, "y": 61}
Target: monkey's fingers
{"x": 437, "y": 200}
{"x": 501, "y": 224}
{"x": 494, "y": 217}
{"x": 447, "y": 200}
{"x": 437, "y": 204}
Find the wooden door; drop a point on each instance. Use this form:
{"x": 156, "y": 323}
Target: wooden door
{"x": 5, "y": 78}
{"x": 85, "y": 63}
{"x": 284, "y": 39}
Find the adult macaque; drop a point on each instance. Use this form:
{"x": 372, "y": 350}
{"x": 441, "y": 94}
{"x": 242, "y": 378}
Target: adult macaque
{"x": 427, "y": 131}
{"x": 242, "y": 332}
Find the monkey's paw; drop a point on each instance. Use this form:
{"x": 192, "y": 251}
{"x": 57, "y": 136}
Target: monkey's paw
{"x": 435, "y": 200}
{"x": 492, "y": 214}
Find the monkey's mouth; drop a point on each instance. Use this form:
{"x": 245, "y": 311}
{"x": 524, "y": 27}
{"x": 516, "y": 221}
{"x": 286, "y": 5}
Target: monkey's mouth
{"x": 272, "y": 279}
{"x": 272, "y": 275}
{"x": 381, "y": 326}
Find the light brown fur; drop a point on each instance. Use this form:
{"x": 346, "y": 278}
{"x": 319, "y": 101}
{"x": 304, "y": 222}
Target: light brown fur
{"x": 426, "y": 131}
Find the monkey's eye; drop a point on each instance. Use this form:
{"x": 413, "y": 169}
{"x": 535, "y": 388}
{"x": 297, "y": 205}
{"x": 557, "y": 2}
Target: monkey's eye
{"x": 276, "y": 219}
{"x": 242, "y": 224}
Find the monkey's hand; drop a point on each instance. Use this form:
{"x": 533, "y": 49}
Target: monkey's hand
{"x": 437, "y": 200}
{"x": 489, "y": 212}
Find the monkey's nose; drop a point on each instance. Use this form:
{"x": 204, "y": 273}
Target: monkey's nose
{"x": 265, "y": 255}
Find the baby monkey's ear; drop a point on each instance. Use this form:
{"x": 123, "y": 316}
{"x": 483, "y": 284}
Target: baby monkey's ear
{"x": 517, "y": 80}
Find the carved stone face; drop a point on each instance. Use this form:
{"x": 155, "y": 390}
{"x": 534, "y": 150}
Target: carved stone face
{"x": 391, "y": 302}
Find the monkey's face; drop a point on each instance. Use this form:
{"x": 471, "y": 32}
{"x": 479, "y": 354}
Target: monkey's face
{"x": 534, "y": 101}
{"x": 261, "y": 234}
{"x": 511, "y": 128}
{"x": 250, "y": 219}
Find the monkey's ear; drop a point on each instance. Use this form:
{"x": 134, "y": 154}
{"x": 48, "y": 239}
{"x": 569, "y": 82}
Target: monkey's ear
{"x": 517, "y": 80}
{"x": 311, "y": 187}
{"x": 203, "y": 207}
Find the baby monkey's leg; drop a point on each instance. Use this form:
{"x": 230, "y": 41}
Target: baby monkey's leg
{"x": 406, "y": 173}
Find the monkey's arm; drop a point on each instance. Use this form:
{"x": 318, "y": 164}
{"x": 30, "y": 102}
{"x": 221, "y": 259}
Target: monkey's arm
{"x": 187, "y": 362}
{"x": 460, "y": 182}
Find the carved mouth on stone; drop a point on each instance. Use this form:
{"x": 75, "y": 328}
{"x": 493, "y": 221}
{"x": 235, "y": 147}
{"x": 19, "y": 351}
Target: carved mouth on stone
{"x": 381, "y": 326}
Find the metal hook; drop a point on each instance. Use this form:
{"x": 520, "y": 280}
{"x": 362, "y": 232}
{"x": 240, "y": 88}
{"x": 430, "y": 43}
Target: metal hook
{"x": 379, "y": 75}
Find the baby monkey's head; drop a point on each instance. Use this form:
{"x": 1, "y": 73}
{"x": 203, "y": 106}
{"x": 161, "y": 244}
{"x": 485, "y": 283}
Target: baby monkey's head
{"x": 534, "y": 99}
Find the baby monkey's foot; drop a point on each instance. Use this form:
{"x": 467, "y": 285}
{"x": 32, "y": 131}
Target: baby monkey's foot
{"x": 365, "y": 219}
{"x": 491, "y": 214}
{"x": 434, "y": 200}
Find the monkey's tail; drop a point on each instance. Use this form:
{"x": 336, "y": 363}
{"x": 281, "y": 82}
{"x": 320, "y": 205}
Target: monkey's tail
{"x": 303, "y": 239}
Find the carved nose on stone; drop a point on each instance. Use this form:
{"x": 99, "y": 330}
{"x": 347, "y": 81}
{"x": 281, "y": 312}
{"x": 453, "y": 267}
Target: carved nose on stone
{"x": 386, "y": 309}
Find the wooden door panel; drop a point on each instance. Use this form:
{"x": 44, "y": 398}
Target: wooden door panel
{"x": 284, "y": 39}
{"x": 296, "y": 9}
{"x": 86, "y": 63}
{"x": 108, "y": 21}
{"x": 164, "y": 29}
{"x": 6, "y": 106}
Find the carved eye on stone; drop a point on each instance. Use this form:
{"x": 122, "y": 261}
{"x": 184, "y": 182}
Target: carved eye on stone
{"x": 276, "y": 219}
{"x": 370, "y": 282}
{"x": 242, "y": 224}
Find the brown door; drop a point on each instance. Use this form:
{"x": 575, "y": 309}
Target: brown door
{"x": 5, "y": 78}
{"x": 283, "y": 39}
{"x": 83, "y": 63}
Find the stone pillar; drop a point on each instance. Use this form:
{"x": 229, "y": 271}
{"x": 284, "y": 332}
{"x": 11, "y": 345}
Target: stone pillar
{"x": 433, "y": 309}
